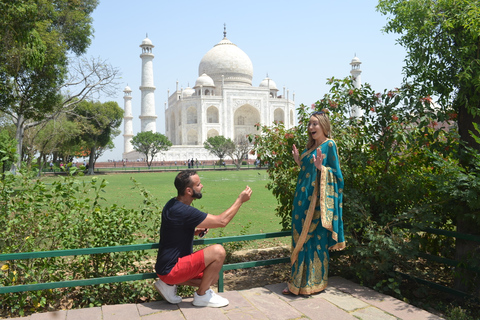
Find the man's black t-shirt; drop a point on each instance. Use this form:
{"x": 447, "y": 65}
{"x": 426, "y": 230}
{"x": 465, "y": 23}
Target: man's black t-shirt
{"x": 176, "y": 234}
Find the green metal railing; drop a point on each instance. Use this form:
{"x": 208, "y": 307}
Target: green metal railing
{"x": 456, "y": 235}
{"x": 132, "y": 277}
{"x": 233, "y": 266}
{"x": 442, "y": 260}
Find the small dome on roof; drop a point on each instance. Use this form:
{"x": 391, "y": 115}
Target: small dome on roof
{"x": 268, "y": 83}
{"x": 188, "y": 92}
{"x": 355, "y": 60}
{"x": 146, "y": 42}
{"x": 127, "y": 89}
{"x": 205, "y": 81}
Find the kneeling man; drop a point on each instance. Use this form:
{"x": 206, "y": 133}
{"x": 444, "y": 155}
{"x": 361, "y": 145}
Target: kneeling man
{"x": 177, "y": 264}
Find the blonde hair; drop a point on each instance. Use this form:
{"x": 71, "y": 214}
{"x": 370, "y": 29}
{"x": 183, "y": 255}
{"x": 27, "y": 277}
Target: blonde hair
{"x": 324, "y": 123}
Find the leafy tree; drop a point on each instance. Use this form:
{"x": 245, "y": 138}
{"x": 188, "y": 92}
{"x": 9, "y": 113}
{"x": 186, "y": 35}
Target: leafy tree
{"x": 397, "y": 160}
{"x": 8, "y": 151}
{"x": 53, "y": 137}
{"x": 8, "y": 143}
{"x": 240, "y": 152}
{"x": 150, "y": 144}
{"x": 37, "y": 40}
{"x": 442, "y": 40}
{"x": 45, "y": 136}
{"x": 273, "y": 145}
{"x": 98, "y": 123}
{"x": 6, "y": 123}
{"x": 101, "y": 150}
{"x": 219, "y": 146}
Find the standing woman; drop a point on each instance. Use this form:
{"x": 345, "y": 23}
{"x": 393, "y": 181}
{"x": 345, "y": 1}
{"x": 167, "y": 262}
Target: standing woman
{"x": 317, "y": 225}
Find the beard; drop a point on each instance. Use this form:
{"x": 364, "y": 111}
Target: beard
{"x": 196, "y": 195}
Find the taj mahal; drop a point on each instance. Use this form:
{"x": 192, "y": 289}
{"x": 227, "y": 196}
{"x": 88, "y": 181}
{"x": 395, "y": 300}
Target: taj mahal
{"x": 223, "y": 101}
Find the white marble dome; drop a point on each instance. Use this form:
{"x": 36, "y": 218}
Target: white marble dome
{"x": 355, "y": 60}
{"x": 205, "y": 81}
{"x": 127, "y": 89}
{"x": 268, "y": 83}
{"x": 188, "y": 92}
{"x": 226, "y": 59}
{"x": 146, "y": 42}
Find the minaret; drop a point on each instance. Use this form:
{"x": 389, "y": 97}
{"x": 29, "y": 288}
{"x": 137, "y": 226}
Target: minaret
{"x": 147, "y": 116}
{"x": 357, "y": 82}
{"x": 127, "y": 121}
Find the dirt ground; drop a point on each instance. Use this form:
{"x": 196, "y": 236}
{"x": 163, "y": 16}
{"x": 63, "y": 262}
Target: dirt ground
{"x": 258, "y": 276}
{"x": 240, "y": 279}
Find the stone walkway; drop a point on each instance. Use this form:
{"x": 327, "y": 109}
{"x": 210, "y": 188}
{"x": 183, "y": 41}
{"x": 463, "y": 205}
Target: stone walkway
{"x": 342, "y": 300}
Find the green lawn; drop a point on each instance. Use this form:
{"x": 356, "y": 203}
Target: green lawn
{"x": 221, "y": 188}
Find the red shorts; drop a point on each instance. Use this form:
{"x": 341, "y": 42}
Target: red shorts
{"x": 187, "y": 268}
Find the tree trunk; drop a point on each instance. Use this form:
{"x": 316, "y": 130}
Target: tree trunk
{"x": 19, "y": 138}
{"x": 238, "y": 163}
{"x": 40, "y": 164}
{"x": 465, "y": 280}
{"x": 467, "y": 252}
{"x": 90, "y": 161}
{"x": 149, "y": 163}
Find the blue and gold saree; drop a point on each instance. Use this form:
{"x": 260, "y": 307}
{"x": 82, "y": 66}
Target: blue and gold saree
{"x": 317, "y": 224}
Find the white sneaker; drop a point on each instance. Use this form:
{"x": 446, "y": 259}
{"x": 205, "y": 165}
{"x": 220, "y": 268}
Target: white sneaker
{"x": 209, "y": 299}
{"x": 168, "y": 292}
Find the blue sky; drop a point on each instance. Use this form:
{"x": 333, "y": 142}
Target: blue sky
{"x": 299, "y": 44}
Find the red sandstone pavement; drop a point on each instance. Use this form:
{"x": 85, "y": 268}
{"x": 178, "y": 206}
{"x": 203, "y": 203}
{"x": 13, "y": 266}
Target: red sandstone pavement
{"x": 343, "y": 300}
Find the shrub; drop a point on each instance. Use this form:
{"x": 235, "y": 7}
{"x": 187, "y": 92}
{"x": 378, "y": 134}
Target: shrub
{"x": 397, "y": 161}
{"x": 66, "y": 215}
{"x": 8, "y": 149}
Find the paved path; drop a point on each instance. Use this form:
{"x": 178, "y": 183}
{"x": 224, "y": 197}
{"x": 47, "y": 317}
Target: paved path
{"x": 342, "y": 300}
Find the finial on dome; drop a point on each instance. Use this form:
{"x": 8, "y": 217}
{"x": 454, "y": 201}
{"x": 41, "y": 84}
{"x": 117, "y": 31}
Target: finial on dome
{"x": 224, "y": 30}
{"x": 146, "y": 35}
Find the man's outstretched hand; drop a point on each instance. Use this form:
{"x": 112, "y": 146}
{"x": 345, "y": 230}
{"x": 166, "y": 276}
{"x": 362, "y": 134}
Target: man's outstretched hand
{"x": 245, "y": 195}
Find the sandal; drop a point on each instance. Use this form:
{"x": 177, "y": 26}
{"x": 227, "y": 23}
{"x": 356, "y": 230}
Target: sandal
{"x": 286, "y": 291}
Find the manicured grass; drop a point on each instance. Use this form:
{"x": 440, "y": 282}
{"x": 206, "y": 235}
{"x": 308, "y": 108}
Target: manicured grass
{"x": 221, "y": 188}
